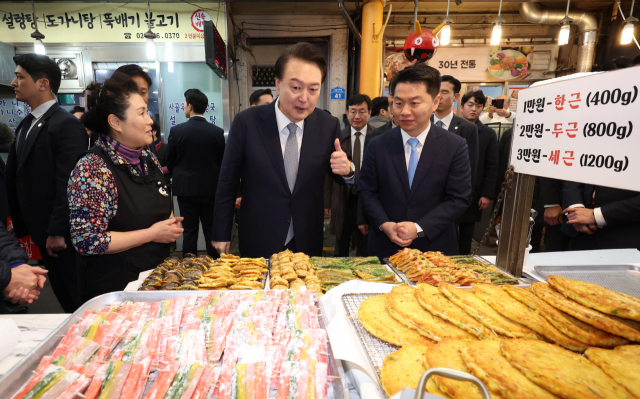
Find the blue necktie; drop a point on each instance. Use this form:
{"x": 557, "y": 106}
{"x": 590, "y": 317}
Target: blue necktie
{"x": 439, "y": 123}
{"x": 413, "y": 159}
{"x": 291, "y": 168}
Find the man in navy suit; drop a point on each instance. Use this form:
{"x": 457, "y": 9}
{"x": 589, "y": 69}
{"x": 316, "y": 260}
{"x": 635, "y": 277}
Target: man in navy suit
{"x": 416, "y": 178}
{"x": 282, "y": 152}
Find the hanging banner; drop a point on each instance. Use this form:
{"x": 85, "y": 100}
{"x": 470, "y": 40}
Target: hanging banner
{"x": 581, "y": 130}
{"x": 472, "y": 64}
{"x": 109, "y": 22}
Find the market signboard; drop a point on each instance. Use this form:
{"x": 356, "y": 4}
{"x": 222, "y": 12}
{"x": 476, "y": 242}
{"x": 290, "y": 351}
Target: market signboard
{"x": 581, "y": 130}
{"x": 109, "y": 22}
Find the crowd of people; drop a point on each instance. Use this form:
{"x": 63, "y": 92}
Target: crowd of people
{"x": 94, "y": 187}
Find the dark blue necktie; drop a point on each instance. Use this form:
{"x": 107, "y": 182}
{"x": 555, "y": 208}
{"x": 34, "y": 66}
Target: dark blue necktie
{"x": 26, "y": 125}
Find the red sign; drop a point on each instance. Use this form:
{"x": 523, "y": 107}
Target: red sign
{"x": 198, "y": 18}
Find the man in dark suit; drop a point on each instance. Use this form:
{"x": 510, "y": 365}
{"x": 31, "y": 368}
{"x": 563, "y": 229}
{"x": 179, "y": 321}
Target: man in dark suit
{"x": 551, "y": 200}
{"x": 485, "y": 183}
{"x": 341, "y": 200}
{"x": 194, "y": 155}
{"x": 48, "y": 143}
{"x": 282, "y": 152}
{"x": 445, "y": 118}
{"x": 416, "y": 178}
{"x": 602, "y": 217}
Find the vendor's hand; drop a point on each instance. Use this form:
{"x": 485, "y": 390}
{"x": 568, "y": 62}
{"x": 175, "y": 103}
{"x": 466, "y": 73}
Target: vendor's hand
{"x": 166, "y": 231}
{"x": 364, "y": 229}
{"x": 389, "y": 228}
{"x": 553, "y": 215}
{"x": 222, "y": 247}
{"x": 407, "y": 231}
{"x": 327, "y": 211}
{"x": 505, "y": 113}
{"x": 483, "y": 203}
{"x": 580, "y": 216}
{"x": 340, "y": 164}
{"x": 55, "y": 243}
{"x": 238, "y": 202}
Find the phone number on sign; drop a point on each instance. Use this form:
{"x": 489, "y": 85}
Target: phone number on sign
{"x": 158, "y": 36}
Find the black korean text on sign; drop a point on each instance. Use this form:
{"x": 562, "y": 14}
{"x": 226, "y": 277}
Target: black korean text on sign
{"x": 604, "y": 161}
{"x": 610, "y": 129}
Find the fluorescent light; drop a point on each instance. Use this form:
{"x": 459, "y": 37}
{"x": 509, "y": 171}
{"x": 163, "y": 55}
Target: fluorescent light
{"x": 38, "y": 47}
{"x": 445, "y": 35}
{"x": 627, "y": 33}
{"x": 151, "y": 49}
{"x": 496, "y": 35}
{"x": 563, "y": 37}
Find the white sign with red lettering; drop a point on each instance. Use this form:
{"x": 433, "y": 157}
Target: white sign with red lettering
{"x": 583, "y": 129}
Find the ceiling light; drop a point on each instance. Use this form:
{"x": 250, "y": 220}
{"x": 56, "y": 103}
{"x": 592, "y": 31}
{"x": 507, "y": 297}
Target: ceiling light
{"x": 151, "y": 47}
{"x": 627, "y": 32}
{"x": 38, "y": 46}
{"x": 496, "y": 34}
{"x": 565, "y": 30}
{"x": 445, "y": 32}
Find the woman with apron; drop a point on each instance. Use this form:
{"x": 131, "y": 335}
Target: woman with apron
{"x": 122, "y": 221}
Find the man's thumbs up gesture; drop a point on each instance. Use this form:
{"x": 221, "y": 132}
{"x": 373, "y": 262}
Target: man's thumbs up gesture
{"x": 340, "y": 164}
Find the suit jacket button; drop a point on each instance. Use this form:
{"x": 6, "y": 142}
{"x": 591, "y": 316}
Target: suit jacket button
{"x": 288, "y": 222}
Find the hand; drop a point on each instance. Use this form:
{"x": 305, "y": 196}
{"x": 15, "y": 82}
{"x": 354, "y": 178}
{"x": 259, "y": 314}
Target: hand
{"x": 585, "y": 228}
{"x": 389, "y": 229}
{"x": 21, "y": 296}
{"x": 55, "y": 243}
{"x": 327, "y": 211}
{"x": 503, "y": 112}
{"x": 26, "y": 283}
{"x": 340, "y": 164}
{"x": 407, "y": 231}
{"x": 238, "y": 202}
{"x": 580, "y": 216}
{"x": 492, "y": 110}
{"x": 553, "y": 215}
{"x": 483, "y": 203}
{"x": 166, "y": 231}
{"x": 364, "y": 229}
{"x": 222, "y": 247}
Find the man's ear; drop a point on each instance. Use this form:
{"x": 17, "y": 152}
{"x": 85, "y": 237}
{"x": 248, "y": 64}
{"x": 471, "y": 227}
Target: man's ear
{"x": 456, "y": 97}
{"x": 43, "y": 84}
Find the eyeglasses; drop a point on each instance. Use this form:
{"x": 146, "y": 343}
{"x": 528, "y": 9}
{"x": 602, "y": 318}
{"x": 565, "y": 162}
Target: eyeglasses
{"x": 361, "y": 112}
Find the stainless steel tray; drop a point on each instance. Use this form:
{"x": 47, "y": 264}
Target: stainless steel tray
{"x": 620, "y": 278}
{"x": 19, "y": 374}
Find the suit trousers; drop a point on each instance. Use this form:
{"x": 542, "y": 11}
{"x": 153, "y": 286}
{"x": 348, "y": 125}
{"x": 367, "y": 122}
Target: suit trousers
{"x": 555, "y": 240}
{"x": 197, "y": 210}
{"x": 350, "y": 226}
{"x": 465, "y": 237}
{"x": 63, "y": 276}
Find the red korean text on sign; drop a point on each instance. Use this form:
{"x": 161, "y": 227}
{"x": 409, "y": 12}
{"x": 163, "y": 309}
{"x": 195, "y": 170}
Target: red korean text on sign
{"x": 568, "y": 156}
{"x": 555, "y": 156}
{"x": 560, "y": 102}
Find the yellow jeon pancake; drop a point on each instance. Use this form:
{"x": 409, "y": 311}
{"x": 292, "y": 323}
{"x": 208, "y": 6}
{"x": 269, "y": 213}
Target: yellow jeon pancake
{"x": 561, "y": 372}
{"x": 432, "y": 388}
{"x": 484, "y": 313}
{"x": 599, "y": 298}
{"x": 634, "y": 349}
{"x": 436, "y": 303}
{"x": 510, "y": 308}
{"x": 374, "y": 318}
{"x": 623, "y": 367}
{"x": 597, "y": 319}
{"x": 447, "y": 354}
{"x": 403, "y": 369}
{"x": 486, "y": 362}
{"x": 568, "y": 325}
{"x": 403, "y": 306}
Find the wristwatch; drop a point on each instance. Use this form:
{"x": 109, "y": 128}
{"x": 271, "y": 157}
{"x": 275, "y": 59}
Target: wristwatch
{"x": 352, "y": 170}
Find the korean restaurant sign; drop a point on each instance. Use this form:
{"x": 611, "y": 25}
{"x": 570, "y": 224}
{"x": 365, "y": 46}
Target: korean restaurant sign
{"x": 484, "y": 64}
{"x": 583, "y": 129}
{"x": 108, "y": 22}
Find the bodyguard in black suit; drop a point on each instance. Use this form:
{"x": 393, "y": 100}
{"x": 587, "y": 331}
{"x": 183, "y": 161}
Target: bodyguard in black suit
{"x": 416, "y": 178}
{"x": 49, "y": 142}
{"x": 445, "y": 118}
{"x": 194, "y": 155}
{"x": 551, "y": 201}
{"x": 282, "y": 152}
{"x": 485, "y": 182}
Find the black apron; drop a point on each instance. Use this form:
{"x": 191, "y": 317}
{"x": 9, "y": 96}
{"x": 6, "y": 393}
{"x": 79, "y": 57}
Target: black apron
{"x": 141, "y": 203}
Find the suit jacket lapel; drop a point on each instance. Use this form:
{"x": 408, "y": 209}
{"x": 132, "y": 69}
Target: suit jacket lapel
{"x": 310, "y": 141}
{"x": 271, "y": 139}
{"x": 35, "y": 131}
{"x": 396, "y": 152}
{"x": 453, "y": 127}
{"x": 429, "y": 153}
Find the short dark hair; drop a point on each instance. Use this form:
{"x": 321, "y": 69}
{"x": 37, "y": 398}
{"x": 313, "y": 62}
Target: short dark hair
{"x": 636, "y": 60}
{"x": 254, "y": 98}
{"x": 40, "y": 66}
{"x": 419, "y": 73}
{"x": 155, "y": 126}
{"x": 623, "y": 62}
{"x": 135, "y": 70}
{"x": 357, "y": 99}
{"x": 378, "y": 104}
{"x": 477, "y": 94}
{"x": 455, "y": 82}
{"x": 78, "y": 108}
{"x": 108, "y": 98}
{"x": 302, "y": 51}
{"x": 197, "y": 99}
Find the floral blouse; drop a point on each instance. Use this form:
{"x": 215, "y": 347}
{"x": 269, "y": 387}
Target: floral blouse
{"x": 93, "y": 196}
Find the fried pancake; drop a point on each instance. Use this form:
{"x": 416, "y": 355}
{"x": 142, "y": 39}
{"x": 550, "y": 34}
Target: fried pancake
{"x": 402, "y": 369}
{"x": 486, "y": 362}
{"x": 634, "y": 349}
{"x": 593, "y": 317}
{"x": 599, "y": 298}
{"x": 437, "y": 304}
{"x": 621, "y": 366}
{"x": 513, "y": 310}
{"x": 403, "y": 306}
{"x": 484, "y": 313}
{"x": 447, "y": 354}
{"x": 374, "y": 318}
{"x": 567, "y": 325}
{"x": 432, "y": 388}
{"x": 559, "y": 371}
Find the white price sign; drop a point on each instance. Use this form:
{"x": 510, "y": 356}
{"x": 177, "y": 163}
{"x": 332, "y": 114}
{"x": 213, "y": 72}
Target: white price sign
{"x": 584, "y": 130}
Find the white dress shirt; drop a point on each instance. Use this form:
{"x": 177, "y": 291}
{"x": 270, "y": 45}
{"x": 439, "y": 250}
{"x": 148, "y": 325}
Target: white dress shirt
{"x": 407, "y": 151}
{"x": 38, "y": 113}
{"x": 484, "y": 118}
{"x": 283, "y": 122}
{"x": 446, "y": 121}
{"x": 353, "y": 142}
